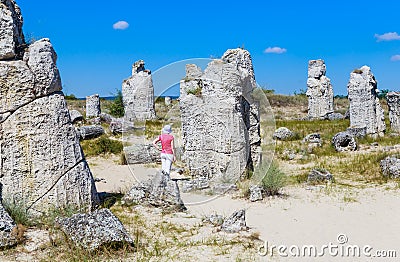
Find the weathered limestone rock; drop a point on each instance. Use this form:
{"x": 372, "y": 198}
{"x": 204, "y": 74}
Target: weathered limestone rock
{"x": 138, "y": 94}
{"x": 93, "y": 230}
{"x": 41, "y": 160}
{"x": 390, "y": 167}
{"x": 120, "y": 125}
{"x": 106, "y": 118}
{"x": 314, "y": 138}
{"x": 12, "y": 40}
{"x": 167, "y": 100}
{"x": 93, "y": 106}
{"x": 89, "y": 132}
{"x": 160, "y": 191}
{"x": 319, "y": 91}
{"x": 319, "y": 175}
{"x": 75, "y": 116}
{"x": 334, "y": 116}
{"x": 255, "y": 193}
{"x": 141, "y": 154}
{"x": 357, "y": 131}
{"x": 283, "y": 133}
{"x": 8, "y": 229}
{"x": 235, "y": 223}
{"x": 220, "y": 118}
{"x": 344, "y": 141}
{"x": 365, "y": 109}
{"x": 393, "y": 101}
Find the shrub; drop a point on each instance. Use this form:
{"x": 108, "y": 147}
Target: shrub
{"x": 101, "y": 146}
{"x": 70, "y": 97}
{"x": 117, "y": 106}
{"x": 17, "y": 209}
{"x": 273, "y": 180}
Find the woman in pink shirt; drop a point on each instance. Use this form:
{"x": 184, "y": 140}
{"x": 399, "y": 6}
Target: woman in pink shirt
{"x": 167, "y": 149}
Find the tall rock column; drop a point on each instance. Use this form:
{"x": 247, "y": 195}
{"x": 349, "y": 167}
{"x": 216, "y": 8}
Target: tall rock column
{"x": 41, "y": 161}
{"x": 365, "y": 109}
{"x": 93, "y": 106}
{"x": 319, "y": 91}
{"x": 393, "y": 101}
{"x": 220, "y": 119}
{"x": 138, "y": 94}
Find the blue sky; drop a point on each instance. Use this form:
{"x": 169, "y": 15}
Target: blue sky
{"x": 93, "y": 57}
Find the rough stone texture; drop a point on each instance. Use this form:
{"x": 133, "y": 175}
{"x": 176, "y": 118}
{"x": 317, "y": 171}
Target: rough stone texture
{"x": 159, "y": 191}
{"x": 75, "y": 116}
{"x": 357, "y": 131}
{"x": 141, "y": 154}
{"x": 347, "y": 114}
{"x": 334, "y": 116}
{"x": 255, "y": 193}
{"x": 138, "y": 94}
{"x": 390, "y": 167}
{"x": 12, "y": 39}
{"x": 220, "y": 118}
{"x": 167, "y": 100}
{"x": 319, "y": 91}
{"x": 344, "y": 141}
{"x": 120, "y": 125}
{"x": 313, "y": 138}
{"x": 235, "y": 223}
{"x": 106, "y": 118}
{"x": 7, "y": 229}
{"x": 283, "y": 133}
{"x": 93, "y": 230}
{"x": 41, "y": 160}
{"x": 393, "y": 101}
{"x": 89, "y": 132}
{"x": 365, "y": 109}
{"x": 214, "y": 219}
{"x": 319, "y": 175}
{"x": 93, "y": 106}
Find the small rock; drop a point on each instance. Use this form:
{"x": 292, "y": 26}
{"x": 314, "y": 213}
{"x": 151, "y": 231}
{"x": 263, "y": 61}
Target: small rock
{"x": 89, "y": 132}
{"x": 390, "y": 167}
{"x": 334, "y": 116}
{"x": 75, "y": 116}
{"x": 255, "y": 193}
{"x": 313, "y": 138}
{"x": 283, "y": 133}
{"x": 344, "y": 141}
{"x": 235, "y": 223}
{"x": 120, "y": 125}
{"x": 319, "y": 175}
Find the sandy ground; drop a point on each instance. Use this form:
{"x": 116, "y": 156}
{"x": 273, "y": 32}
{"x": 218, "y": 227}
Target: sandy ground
{"x": 304, "y": 215}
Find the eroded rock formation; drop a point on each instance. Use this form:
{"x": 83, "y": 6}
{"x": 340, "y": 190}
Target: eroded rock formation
{"x": 138, "y": 94}
{"x": 319, "y": 91}
{"x": 42, "y": 163}
{"x": 220, "y": 118}
{"x": 365, "y": 109}
{"x": 93, "y": 106}
{"x": 393, "y": 101}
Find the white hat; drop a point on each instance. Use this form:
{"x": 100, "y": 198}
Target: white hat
{"x": 167, "y": 129}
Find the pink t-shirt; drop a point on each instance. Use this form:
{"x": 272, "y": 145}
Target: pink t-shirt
{"x": 166, "y": 140}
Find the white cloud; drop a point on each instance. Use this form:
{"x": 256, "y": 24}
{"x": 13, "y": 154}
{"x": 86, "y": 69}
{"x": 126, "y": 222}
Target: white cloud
{"x": 395, "y": 58}
{"x": 121, "y": 25}
{"x": 275, "y": 50}
{"x": 387, "y": 37}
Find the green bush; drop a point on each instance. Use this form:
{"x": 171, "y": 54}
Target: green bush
{"x": 273, "y": 180}
{"x": 17, "y": 209}
{"x": 101, "y": 146}
{"x": 117, "y": 106}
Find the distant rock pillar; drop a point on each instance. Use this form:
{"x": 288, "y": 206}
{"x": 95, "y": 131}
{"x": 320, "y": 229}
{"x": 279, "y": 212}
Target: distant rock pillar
{"x": 319, "y": 91}
{"x": 93, "y": 106}
{"x": 365, "y": 109}
{"x": 138, "y": 94}
{"x": 393, "y": 101}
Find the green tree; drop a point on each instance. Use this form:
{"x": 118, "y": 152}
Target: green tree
{"x": 117, "y": 106}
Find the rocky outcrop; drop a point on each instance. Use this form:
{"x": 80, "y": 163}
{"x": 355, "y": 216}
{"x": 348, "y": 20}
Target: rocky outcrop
{"x": 93, "y": 106}
{"x": 235, "y": 223}
{"x": 138, "y": 94}
{"x": 319, "y": 175}
{"x": 159, "y": 191}
{"x": 141, "y": 154}
{"x": 365, "y": 109}
{"x": 89, "y": 132}
{"x": 12, "y": 40}
{"x": 220, "y": 118}
{"x": 393, "y": 101}
{"x": 283, "y": 133}
{"x": 319, "y": 91}
{"x": 75, "y": 116}
{"x": 41, "y": 160}
{"x": 121, "y": 125}
{"x": 390, "y": 167}
{"x": 344, "y": 141}
{"x": 94, "y": 230}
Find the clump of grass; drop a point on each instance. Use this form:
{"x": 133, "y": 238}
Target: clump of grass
{"x": 273, "y": 180}
{"x": 17, "y": 208}
{"x": 101, "y": 146}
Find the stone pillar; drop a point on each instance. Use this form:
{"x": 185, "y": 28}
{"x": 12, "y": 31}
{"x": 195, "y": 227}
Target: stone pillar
{"x": 167, "y": 100}
{"x": 138, "y": 94}
{"x": 319, "y": 91}
{"x": 220, "y": 119}
{"x": 93, "y": 106}
{"x": 365, "y": 109}
{"x": 393, "y": 101}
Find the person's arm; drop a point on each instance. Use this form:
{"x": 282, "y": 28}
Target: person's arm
{"x": 155, "y": 143}
{"x": 173, "y": 149}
